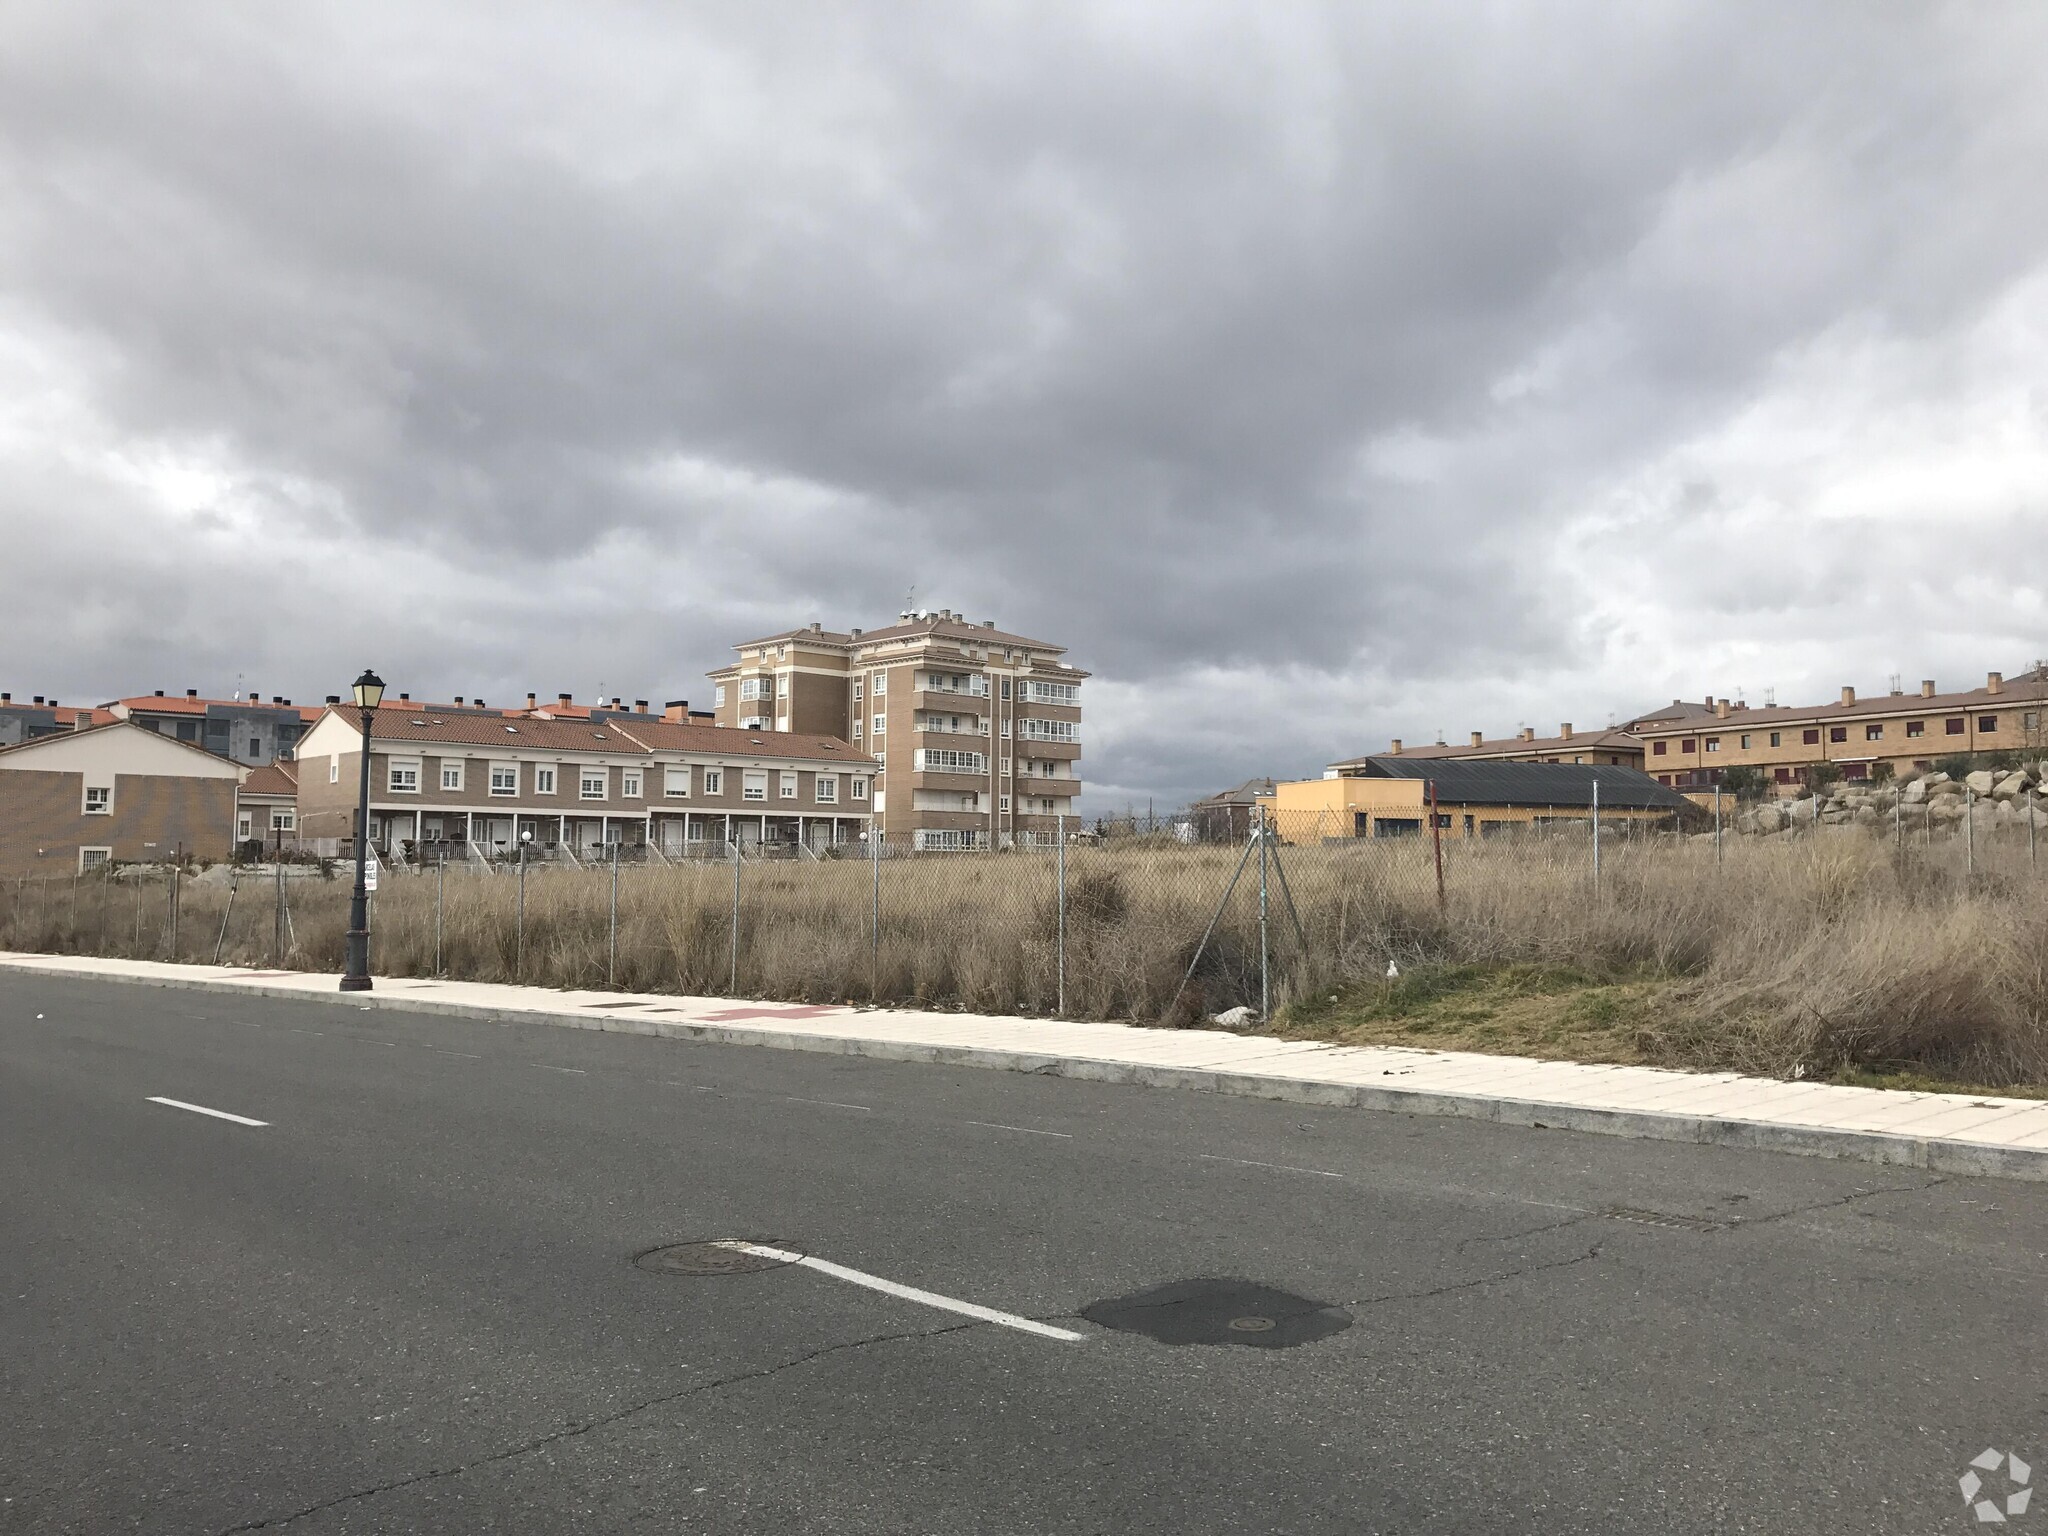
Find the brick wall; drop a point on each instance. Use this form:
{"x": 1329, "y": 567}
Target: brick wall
{"x": 43, "y": 824}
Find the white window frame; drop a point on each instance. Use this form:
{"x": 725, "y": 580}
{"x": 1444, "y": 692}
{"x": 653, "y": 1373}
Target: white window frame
{"x": 334, "y": 769}
{"x": 859, "y": 788}
{"x": 451, "y": 773}
{"x": 754, "y": 784}
{"x": 504, "y": 780}
{"x": 880, "y": 687}
{"x": 671, "y": 776}
{"x": 106, "y": 856}
{"x": 601, "y": 777}
{"x": 1032, "y": 728}
{"x": 284, "y": 818}
{"x": 880, "y": 727}
{"x": 1003, "y": 803}
{"x": 718, "y": 696}
{"x": 544, "y": 778}
{"x": 789, "y": 784}
{"x": 858, "y": 726}
{"x": 409, "y": 768}
{"x": 825, "y": 789}
{"x": 631, "y": 784}
{"x": 106, "y": 805}
{"x": 714, "y": 781}
{"x": 245, "y": 826}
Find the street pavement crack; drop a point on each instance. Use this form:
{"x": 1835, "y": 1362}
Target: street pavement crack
{"x": 1510, "y": 1237}
{"x": 584, "y": 1426}
{"x": 1587, "y": 1257}
{"x": 1837, "y": 1204}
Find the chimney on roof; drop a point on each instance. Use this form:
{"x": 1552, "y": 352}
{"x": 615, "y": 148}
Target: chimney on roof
{"x": 334, "y": 698}
{"x": 677, "y": 710}
{"x": 1848, "y": 695}
{"x": 1926, "y": 687}
{"x": 458, "y": 701}
{"x": 1564, "y": 732}
{"x": 1478, "y": 738}
{"x": 1710, "y": 701}
{"x": 817, "y": 628}
{"x": 1720, "y": 709}
{"x": 530, "y": 701}
{"x": 53, "y": 701}
{"x": 191, "y": 693}
{"x": 1994, "y": 682}
{"x": 615, "y": 701}
{"x": 39, "y": 698}
{"x": 1528, "y": 733}
{"x": 1394, "y": 747}
{"x": 6, "y": 698}
{"x": 988, "y": 623}
{"x": 405, "y": 698}
{"x": 563, "y": 697}
{"x": 639, "y": 706}
{"x": 278, "y": 698}
{"x": 159, "y": 693}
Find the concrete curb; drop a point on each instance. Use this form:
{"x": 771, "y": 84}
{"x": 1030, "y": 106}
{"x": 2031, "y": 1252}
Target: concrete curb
{"x": 1934, "y": 1154}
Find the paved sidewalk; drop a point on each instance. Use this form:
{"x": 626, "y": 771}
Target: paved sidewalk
{"x": 1953, "y": 1133}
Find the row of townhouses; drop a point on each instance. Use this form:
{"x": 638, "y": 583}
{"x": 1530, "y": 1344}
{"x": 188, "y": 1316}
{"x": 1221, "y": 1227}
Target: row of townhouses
{"x": 985, "y": 726}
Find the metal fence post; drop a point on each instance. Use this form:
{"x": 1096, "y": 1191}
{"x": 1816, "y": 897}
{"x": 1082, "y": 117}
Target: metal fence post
{"x": 1436, "y": 834}
{"x": 1060, "y": 863}
{"x": 733, "y": 978}
{"x": 1265, "y": 947}
{"x": 106, "y": 941}
{"x": 519, "y": 925}
{"x": 138, "y": 914}
{"x": 177, "y": 889}
{"x": 1596, "y": 836}
{"x": 277, "y": 912}
{"x": 611, "y": 970}
{"x": 234, "y": 880}
{"x": 874, "y": 915}
{"x": 2033, "y": 832}
{"x": 440, "y": 902}
{"x": 1717, "y": 823}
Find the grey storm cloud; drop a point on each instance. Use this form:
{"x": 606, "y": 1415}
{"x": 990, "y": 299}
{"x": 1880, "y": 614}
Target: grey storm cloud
{"x": 1313, "y": 372}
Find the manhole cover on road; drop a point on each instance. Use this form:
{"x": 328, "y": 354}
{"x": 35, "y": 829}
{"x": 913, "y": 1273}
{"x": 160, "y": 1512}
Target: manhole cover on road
{"x": 710, "y": 1259}
{"x": 1220, "y": 1312}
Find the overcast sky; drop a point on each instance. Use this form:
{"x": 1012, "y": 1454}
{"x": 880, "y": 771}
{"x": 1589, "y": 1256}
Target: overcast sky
{"x": 1316, "y": 374}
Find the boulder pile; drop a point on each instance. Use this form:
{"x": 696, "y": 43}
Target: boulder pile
{"x": 1995, "y": 800}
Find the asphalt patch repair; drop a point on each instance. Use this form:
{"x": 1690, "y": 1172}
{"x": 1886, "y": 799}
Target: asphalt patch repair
{"x": 1216, "y": 1311}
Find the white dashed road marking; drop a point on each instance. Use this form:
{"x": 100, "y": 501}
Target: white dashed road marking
{"x": 201, "y": 1109}
{"x": 909, "y": 1293}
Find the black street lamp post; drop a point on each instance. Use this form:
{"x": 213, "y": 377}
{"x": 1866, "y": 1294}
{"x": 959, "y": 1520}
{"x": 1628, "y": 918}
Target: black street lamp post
{"x": 355, "y": 977}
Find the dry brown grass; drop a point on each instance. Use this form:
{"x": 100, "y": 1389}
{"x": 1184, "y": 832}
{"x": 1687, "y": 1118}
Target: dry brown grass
{"x": 1832, "y": 955}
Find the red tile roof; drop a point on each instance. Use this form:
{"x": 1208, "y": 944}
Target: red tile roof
{"x": 279, "y": 778}
{"x": 667, "y": 736}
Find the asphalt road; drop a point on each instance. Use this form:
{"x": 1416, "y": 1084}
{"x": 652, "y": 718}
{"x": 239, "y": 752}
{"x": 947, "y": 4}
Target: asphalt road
{"x": 407, "y": 1301}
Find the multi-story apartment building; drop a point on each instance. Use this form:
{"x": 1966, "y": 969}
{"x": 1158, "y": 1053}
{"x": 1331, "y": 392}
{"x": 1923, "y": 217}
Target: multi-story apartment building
{"x": 75, "y": 799}
{"x": 479, "y": 784}
{"x": 1901, "y": 730}
{"x": 245, "y": 730}
{"x": 43, "y": 717}
{"x": 976, "y": 731}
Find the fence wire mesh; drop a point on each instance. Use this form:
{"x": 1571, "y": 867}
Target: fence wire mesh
{"x": 1174, "y": 919}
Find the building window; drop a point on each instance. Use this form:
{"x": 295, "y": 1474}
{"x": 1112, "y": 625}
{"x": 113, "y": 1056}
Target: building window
{"x": 857, "y": 727}
{"x": 1006, "y": 691}
{"x": 860, "y": 788}
{"x": 1810, "y": 738}
{"x": 1688, "y": 745}
{"x": 1657, "y": 748}
{"x": 1006, "y": 724}
{"x": 788, "y": 784}
{"x": 544, "y": 781}
{"x": 718, "y": 697}
{"x": 1783, "y": 775}
{"x": 1916, "y": 728}
{"x": 827, "y": 789}
{"x": 1777, "y": 738}
{"x": 1006, "y": 768}
{"x": 714, "y": 781}
{"x": 629, "y": 784}
{"x": 1663, "y": 778}
{"x": 243, "y": 829}
{"x": 93, "y": 858}
{"x": 405, "y": 776}
{"x": 675, "y": 783}
{"x": 1003, "y": 801}
{"x": 1713, "y": 745}
{"x": 881, "y": 724}
{"x": 1745, "y": 743}
{"x": 187, "y": 731}
{"x": 754, "y": 784}
{"x": 1873, "y": 733}
{"x": 856, "y": 690}
{"x": 334, "y": 769}
{"x": 1838, "y": 733}
{"x": 451, "y": 774}
{"x": 99, "y": 800}
{"x": 881, "y": 685}
{"x": 504, "y": 779}
{"x": 1953, "y": 727}
{"x": 593, "y": 783}
{"x": 255, "y": 746}
{"x": 1987, "y": 722}
{"x": 284, "y": 820}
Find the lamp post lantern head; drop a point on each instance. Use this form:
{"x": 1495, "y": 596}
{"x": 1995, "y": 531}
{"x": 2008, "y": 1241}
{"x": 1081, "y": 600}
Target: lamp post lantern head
{"x": 369, "y": 691}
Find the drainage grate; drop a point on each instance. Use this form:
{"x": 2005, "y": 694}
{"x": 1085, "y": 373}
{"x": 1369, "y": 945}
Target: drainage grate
{"x": 706, "y": 1259}
{"x": 1665, "y": 1219}
{"x": 1220, "y": 1312}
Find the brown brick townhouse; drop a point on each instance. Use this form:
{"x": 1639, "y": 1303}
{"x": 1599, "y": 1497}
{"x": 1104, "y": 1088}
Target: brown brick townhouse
{"x": 118, "y": 792}
{"x": 480, "y": 784}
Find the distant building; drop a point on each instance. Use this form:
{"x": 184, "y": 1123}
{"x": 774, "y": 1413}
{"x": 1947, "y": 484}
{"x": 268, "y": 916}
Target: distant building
{"x": 43, "y": 717}
{"x": 267, "y": 808}
{"x": 1609, "y": 748}
{"x": 1393, "y": 796}
{"x": 984, "y": 725}
{"x": 75, "y": 799}
{"x": 245, "y": 730}
{"x": 1226, "y": 816}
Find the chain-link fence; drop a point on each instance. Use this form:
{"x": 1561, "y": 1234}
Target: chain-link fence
{"x": 1153, "y": 924}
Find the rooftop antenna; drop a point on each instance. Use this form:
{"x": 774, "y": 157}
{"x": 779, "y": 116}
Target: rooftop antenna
{"x": 1770, "y": 698}
{"x": 1894, "y": 684}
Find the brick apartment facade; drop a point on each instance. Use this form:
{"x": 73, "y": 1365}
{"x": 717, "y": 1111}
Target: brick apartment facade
{"x": 470, "y": 784}
{"x": 1608, "y": 748}
{"x": 984, "y": 725}
{"x": 73, "y": 800}
{"x": 1901, "y": 730}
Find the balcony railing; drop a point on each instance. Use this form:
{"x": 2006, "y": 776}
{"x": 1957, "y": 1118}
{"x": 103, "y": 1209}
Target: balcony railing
{"x": 972, "y": 686}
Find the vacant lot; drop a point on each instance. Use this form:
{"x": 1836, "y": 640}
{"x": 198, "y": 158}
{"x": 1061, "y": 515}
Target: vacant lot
{"x": 1836, "y": 954}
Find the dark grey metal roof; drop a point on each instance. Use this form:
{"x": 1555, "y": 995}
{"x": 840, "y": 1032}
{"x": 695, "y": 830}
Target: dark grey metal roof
{"x": 1529, "y": 784}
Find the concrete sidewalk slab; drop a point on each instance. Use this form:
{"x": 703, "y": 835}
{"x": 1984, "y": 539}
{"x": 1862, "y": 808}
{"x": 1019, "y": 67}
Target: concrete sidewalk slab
{"x": 1950, "y": 1133}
